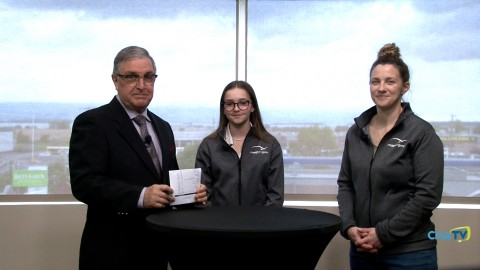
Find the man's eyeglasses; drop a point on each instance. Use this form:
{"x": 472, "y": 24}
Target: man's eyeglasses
{"x": 242, "y": 105}
{"x": 132, "y": 79}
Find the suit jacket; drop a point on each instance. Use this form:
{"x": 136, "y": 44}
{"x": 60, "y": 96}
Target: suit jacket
{"x": 109, "y": 167}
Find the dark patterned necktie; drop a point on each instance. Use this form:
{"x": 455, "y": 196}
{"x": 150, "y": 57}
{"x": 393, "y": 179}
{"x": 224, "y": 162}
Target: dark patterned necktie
{"x": 147, "y": 139}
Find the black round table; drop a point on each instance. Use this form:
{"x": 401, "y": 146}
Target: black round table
{"x": 245, "y": 237}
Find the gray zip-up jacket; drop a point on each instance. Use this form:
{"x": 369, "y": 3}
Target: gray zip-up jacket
{"x": 396, "y": 190}
{"x": 257, "y": 178}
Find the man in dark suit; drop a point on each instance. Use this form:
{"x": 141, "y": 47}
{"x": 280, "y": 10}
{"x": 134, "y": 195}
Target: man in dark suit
{"x": 112, "y": 172}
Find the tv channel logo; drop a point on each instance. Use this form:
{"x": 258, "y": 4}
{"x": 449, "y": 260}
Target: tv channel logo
{"x": 459, "y": 234}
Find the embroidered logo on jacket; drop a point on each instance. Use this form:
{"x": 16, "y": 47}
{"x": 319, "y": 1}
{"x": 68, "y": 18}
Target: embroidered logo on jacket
{"x": 258, "y": 149}
{"x": 397, "y": 143}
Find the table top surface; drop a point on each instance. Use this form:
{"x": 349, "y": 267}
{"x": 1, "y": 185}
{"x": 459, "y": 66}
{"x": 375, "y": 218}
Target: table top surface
{"x": 244, "y": 220}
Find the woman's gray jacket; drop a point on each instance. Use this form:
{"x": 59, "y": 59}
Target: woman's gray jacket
{"x": 257, "y": 178}
{"x": 396, "y": 190}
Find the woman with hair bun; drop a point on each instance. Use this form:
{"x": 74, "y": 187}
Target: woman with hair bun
{"x": 391, "y": 176}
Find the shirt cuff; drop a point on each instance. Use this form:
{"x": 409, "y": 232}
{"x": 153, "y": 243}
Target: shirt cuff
{"x": 140, "y": 200}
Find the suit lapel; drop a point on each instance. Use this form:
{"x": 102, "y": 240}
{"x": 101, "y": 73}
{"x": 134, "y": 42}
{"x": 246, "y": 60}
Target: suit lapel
{"x": 162, "y": 134}
{"x": 126, "y": 129}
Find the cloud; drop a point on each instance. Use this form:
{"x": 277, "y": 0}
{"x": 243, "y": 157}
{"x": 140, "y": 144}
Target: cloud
{"x": 313, "y": 55}
{"x": 107, "y": 9}
{"x": 450, "y": 30}
{"x": 445, "y": 6}
{"x": 72, "y": 60}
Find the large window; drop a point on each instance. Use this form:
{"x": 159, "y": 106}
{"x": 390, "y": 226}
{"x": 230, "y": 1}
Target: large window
{"x": 57, "y": 58}
{"x": 308, "y": 62}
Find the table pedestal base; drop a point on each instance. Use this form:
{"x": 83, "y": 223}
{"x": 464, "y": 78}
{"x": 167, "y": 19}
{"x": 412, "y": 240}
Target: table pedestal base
{"x": 301, "y": 253}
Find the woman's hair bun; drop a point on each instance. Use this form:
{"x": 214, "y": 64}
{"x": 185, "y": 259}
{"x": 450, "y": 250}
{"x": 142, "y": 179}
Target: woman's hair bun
{"x": 389, "y": 50}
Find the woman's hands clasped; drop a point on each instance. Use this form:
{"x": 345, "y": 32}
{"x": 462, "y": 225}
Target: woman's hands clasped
{"x": 365, "y": 239}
